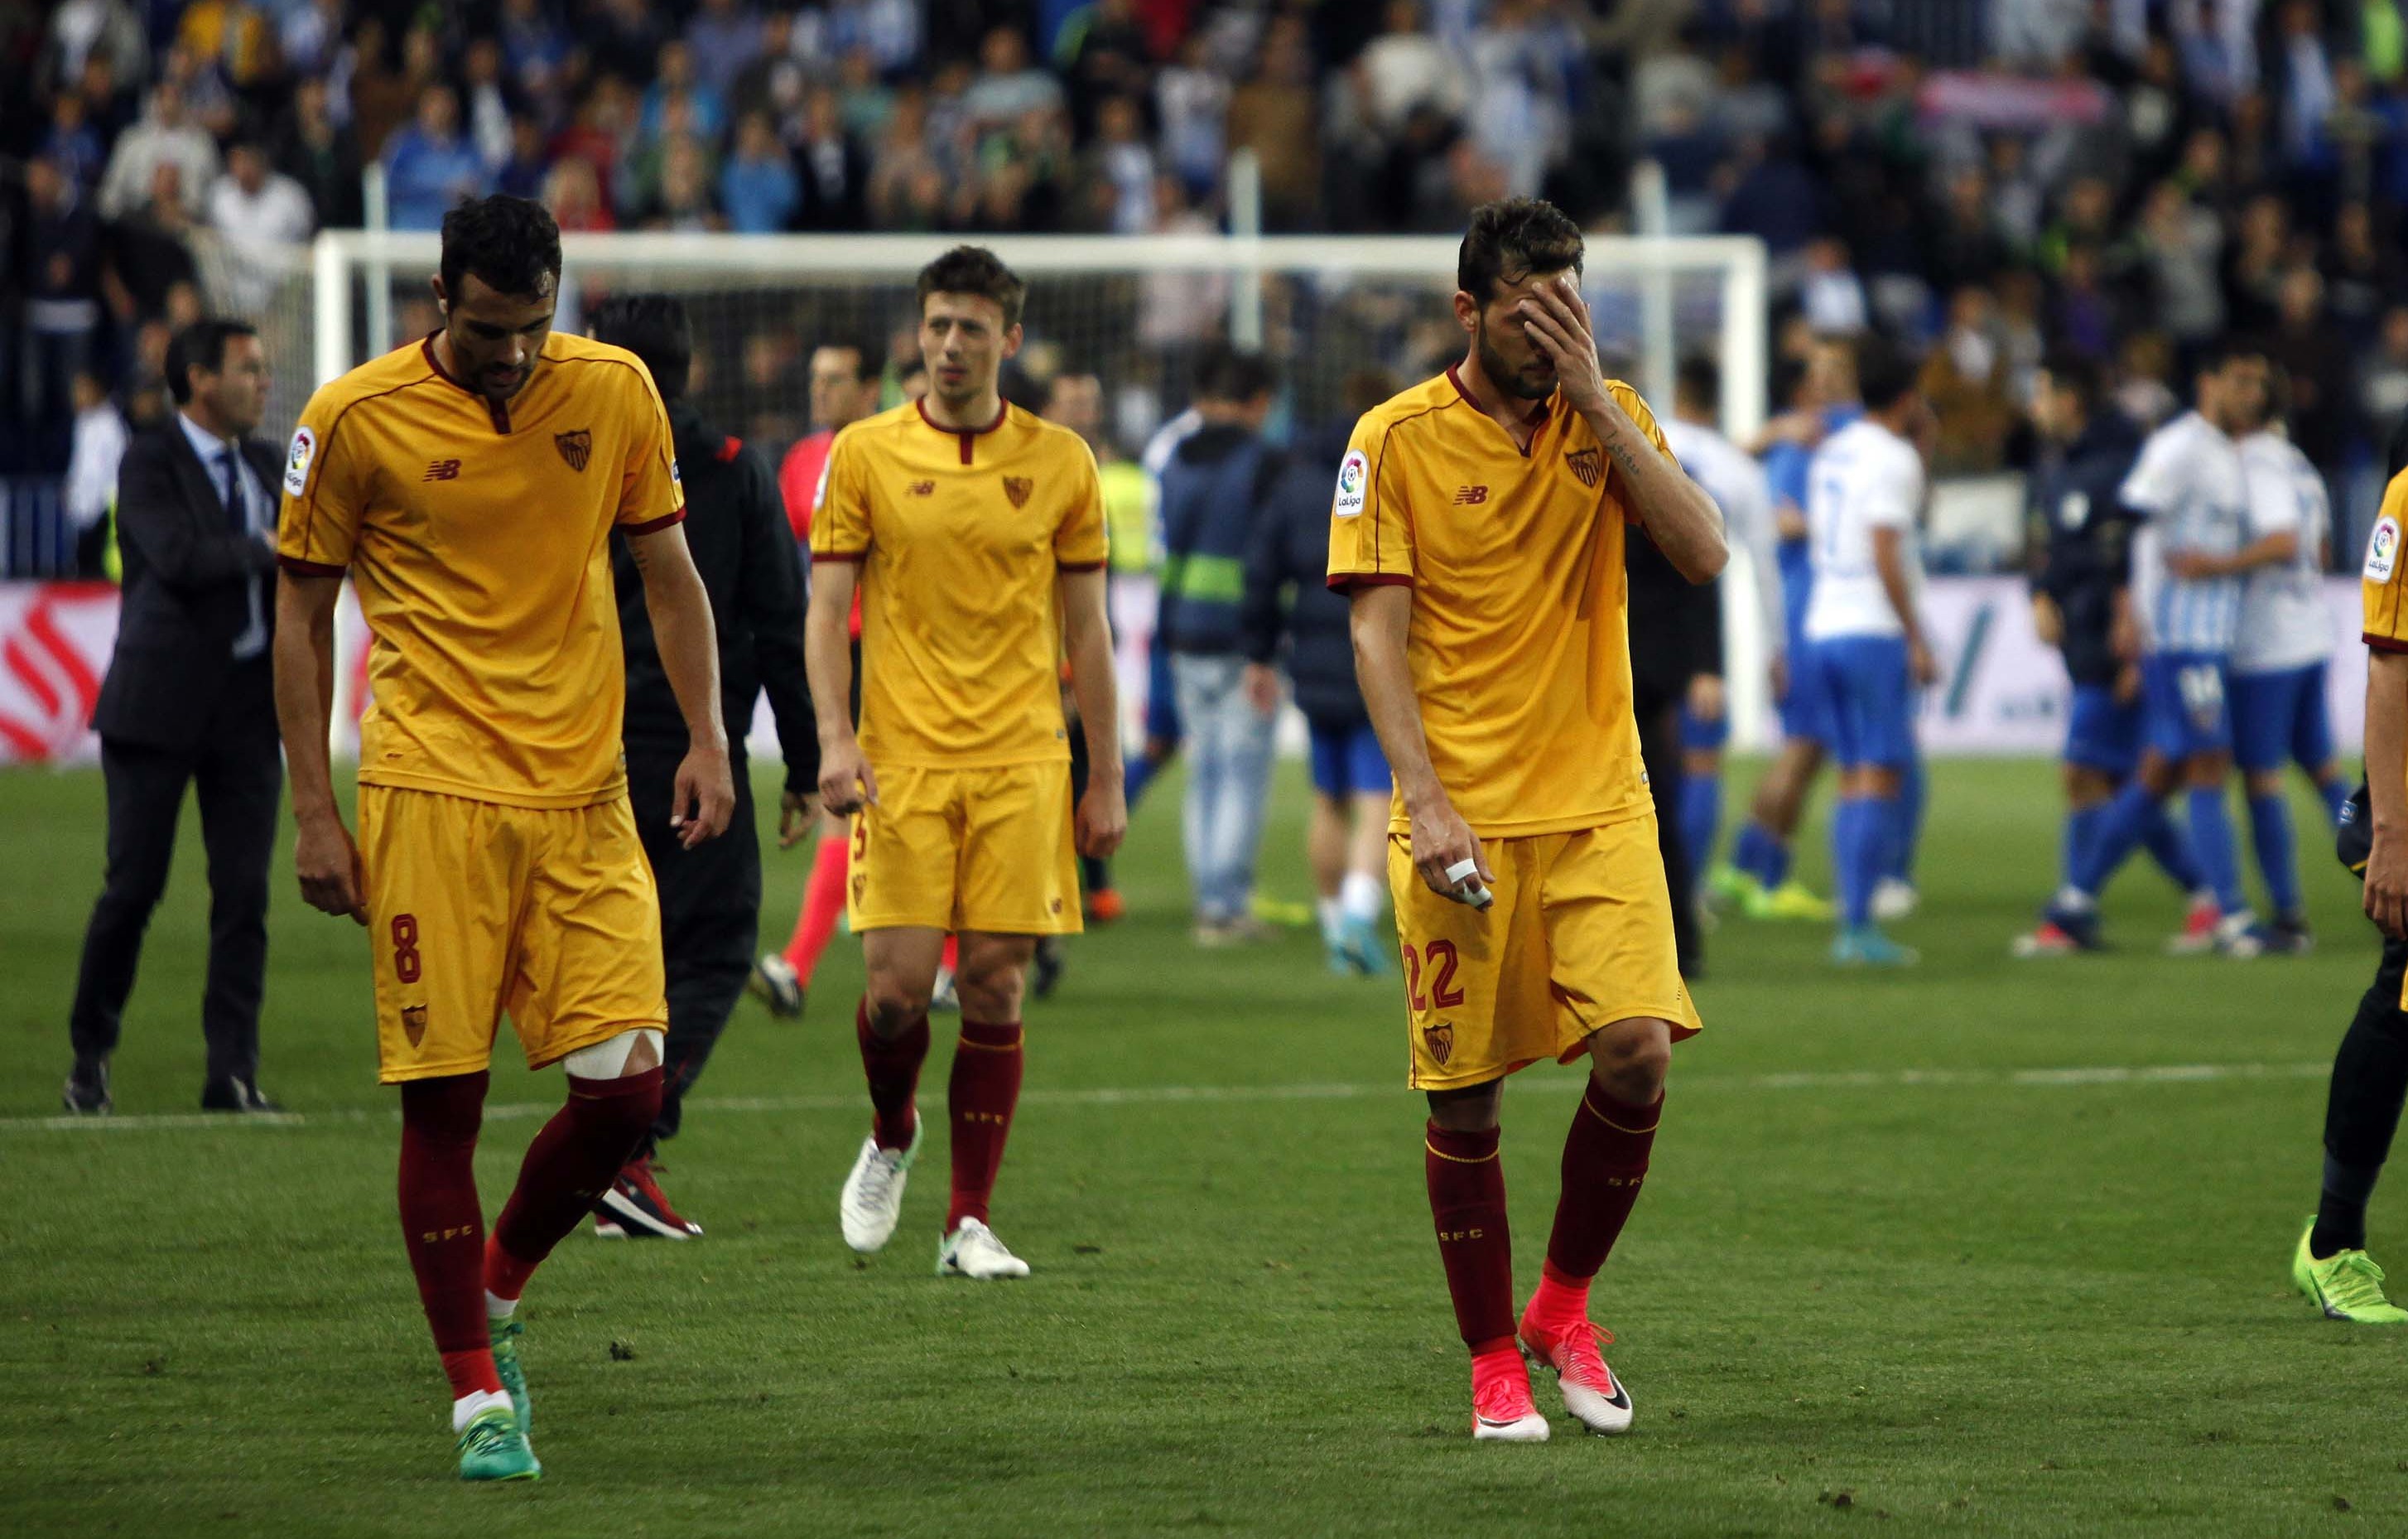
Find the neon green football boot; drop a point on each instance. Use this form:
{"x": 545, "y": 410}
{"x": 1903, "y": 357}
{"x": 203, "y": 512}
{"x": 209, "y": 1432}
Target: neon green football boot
{"x": 2346, "y": 1284}
{"x": 1791, "y": 901}
{"x": 491, "y": 1448}
{"x": 1728, "y": 888}
{"x": 505, "y": 1335}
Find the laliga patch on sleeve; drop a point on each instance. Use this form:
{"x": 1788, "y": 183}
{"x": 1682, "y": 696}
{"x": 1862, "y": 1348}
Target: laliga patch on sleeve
{"x": 296, "y": 460}
{"x": 2382, "y": 549}
{"x": 1353, "y": 477}
{"x": 675, "y": 479}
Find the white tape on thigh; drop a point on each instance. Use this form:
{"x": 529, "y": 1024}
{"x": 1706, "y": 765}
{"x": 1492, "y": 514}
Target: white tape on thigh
{"x": 608, "y": 1060}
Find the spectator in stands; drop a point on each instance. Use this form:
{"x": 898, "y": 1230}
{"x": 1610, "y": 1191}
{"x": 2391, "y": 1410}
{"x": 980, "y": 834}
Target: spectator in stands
{"x": 1008, "y": 87}
{"x": 1101, "y": 52}
{"x": 429, "y": 167}
{"x": 98, "y": 444}
{"x": 309, "y": 36}
{"x": 573, "y": 192}
{"x": 61, "y": 280}
{"x": 758, "y": 187}
{"x": 772, "y": 82}
{"x": 72, "y": 143}
{"x": 321, "y": 156}
{"x": 831, "y": 168}
{"x": 522, "y": 174}
{"x": 1275, "y": 114}
{"x": 263, "y": 217}
{"x": 706, "y": 110}
{"x": 533, "y": 44}
{"x": 1192, "y": 102}
{"x": 2315, "y": 360}
{"x": 907, "y": 184}
{"x": 1965, "y": 380}
{"x": 83, "y": 30}
{"x": 165, "y": 136}
{"x": 149, "y": 260}
{"x": 1120, "y": 175}
{"x": 486, "y": 102}
{"x": 723, "y": 36}
{"x": 383, "y": 98}
{"x": 2383, "y": 378}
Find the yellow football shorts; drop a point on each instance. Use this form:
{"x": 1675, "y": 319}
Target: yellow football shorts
{"x": 1580, "y": 936}
{"x": 968, "y": 850}
{"x": 476, "y": 908}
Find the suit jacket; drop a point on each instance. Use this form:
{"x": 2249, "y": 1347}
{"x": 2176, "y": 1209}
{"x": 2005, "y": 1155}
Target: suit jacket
{"x": 186, "y": 596}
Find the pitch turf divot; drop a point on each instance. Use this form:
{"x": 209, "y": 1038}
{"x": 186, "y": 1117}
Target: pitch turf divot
{"x": 1171, "y": 1094}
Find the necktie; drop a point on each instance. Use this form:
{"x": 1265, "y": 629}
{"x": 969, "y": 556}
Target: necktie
{"x": 233, "y": 490}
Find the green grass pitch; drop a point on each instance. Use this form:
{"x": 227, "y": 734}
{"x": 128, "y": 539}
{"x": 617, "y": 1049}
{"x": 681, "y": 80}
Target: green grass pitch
{"x": 1918, "y": 1253}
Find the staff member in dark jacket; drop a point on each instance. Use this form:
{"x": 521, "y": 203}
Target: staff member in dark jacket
{"x": 710, "y": 895}
{"x": 1211, "y": 489}
{"x": 1287, "y": 598}
{"x": 1676, "y": 634}
{"x": 2082, "y": 534}
{"x": 190, "y": 700}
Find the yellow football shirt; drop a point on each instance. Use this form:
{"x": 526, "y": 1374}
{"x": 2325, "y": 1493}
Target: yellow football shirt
{"x": 2380, "y": 585}
{"x": 960, "y": 536}
{"x": 479, "y": 540}
{"x": 1520, "y": 645}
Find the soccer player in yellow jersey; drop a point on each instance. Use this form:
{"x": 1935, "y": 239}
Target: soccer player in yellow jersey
{"x": 1478, "y": 525}
{"x": 974, "y": 533}
{"x": 2370, "y": 1075}
{"x": 469, "y": 484}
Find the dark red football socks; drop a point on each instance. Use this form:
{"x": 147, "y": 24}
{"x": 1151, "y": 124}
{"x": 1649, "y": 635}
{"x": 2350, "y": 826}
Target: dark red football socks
{"x": 441, "y": 1224}
{"x": 568, "y": 1167}
{"x": 985, "y": 1089}
{"x": 1605, "y": 1163}
{"x": 1466, "y": 1197}
{"x": 893, "y": 1067}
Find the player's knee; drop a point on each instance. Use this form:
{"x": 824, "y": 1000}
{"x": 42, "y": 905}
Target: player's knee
{"x": 992, "y": 993}
{"x": 2209, "y": 772}
{"x": 895, "y": 1002}
{"x": 2263, "y": 783}
{"x": 1704, "y": 763}
{"x": 1472, "y": 1108}
{"x": 1631, "y": 1060}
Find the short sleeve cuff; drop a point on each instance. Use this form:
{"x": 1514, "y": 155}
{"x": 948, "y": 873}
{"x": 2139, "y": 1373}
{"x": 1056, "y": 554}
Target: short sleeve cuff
{"x": 654, "y": 526}
{"x": 1349, "y": 582}
{"x": 2383, "y": 643}
{"x": 818, "y": 556}
{"x": 299, "y": 567}
{"x": 1080, "y": 566}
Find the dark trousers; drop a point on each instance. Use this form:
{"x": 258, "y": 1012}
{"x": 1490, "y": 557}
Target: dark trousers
{"x": 237, "y": 771}
{"x": 2370, "y": 1077}
{"x": 1659, "y": 750}
{"x": 710, "y": 918}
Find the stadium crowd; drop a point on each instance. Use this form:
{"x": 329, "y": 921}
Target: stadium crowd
{"x": 1983, "y": 178}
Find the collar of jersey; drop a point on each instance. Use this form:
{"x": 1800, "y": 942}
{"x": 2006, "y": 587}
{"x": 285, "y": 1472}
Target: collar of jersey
{"x": 498, "y": 410}
{"x": 1001, "y": 412}
{"x": 1538, "y": 413}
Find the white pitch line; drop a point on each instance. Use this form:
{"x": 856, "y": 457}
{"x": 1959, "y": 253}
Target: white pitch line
{"x": 1160, "y": 1095}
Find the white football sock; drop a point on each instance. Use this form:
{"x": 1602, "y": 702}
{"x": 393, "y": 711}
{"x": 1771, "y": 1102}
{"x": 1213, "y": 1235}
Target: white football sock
{"x": 499, "y": 1308}
{"x": 468, "y": 1408}
{"x": 1361, "y": 895}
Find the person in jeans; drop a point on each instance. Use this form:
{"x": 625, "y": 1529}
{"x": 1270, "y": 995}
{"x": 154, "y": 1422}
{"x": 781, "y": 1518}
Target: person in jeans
{"x": 1211, "y": 489}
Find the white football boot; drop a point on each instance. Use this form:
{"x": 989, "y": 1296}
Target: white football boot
{"x": 973, "y": 1251}
{"x": 1894, "y": 899}
{"x": 872, "y": 1199}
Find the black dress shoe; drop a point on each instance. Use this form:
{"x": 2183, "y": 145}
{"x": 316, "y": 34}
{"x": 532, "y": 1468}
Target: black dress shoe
{"x": 87, "y": 1088}
{"x": 235, "y": 1093}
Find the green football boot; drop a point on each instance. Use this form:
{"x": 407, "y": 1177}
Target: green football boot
{"x": 506, "y": 1334}
{"x": 1791, "y": 901}
{"x": 491, "y": 1448}
{"x": 1728, "y": 888}
{"x": 2346, "y": 1284}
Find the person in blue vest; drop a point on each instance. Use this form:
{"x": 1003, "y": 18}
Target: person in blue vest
{"x": 1211, "y": 490}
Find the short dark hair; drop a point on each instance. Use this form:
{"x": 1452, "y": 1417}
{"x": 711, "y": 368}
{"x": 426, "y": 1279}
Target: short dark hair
{"x": 2224, "y": 348}
{"x": 201, "y": 345}
{"x": 1239, "y": 375}
{"x": 2078, "y": 374}
{"x": 972, "y": 270}
{"x": 1699, "y": 383}
{"x": 868, "y": 357}
{"x": 1512, "y": 239}
{"x": 512, "y": 243}
{"x": 1884, "y": 373}
{"x": 654, "y": 327}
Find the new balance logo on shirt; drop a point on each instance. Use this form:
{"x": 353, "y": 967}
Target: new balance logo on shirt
{"x": 442, "y": 470}
{"x": 1471, "y": 495}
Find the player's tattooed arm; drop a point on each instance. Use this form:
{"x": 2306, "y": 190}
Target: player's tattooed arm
{"x": 2386, "y": 789}
{"x": 1381, "y": 622}
{"x": 847, "y": 783}
{"x": 703, "y": 796}
{"x": 1683, "y": 522}
{"x": 326, "y": 860}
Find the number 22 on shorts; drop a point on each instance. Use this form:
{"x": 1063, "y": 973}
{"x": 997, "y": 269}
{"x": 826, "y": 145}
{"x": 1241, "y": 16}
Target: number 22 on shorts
{"x": 1443, "y": 960}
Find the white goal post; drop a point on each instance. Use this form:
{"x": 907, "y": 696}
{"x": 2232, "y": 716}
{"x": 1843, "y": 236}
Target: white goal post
{"x": 1132, "y": 308}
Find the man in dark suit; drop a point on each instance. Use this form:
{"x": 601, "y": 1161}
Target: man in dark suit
{"x": 710, "y": 895}
{"x": 190, "y": 702}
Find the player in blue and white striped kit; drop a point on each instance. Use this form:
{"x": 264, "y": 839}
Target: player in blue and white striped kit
{"x": 2279, "y": 713}
{"x": 2191, "y": 494}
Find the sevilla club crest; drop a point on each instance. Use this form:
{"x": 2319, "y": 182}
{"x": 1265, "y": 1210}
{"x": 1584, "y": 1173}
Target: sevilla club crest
{"x": 1584, "y": 464}
{"x": 1017, "y": 488}
{"x": 576, "y": 448}
{"x": 1440, "y": 1039}
{"x": 413, "y": 1024}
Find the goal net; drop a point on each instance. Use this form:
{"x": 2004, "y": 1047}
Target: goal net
{"x": 1135, "y": 312}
